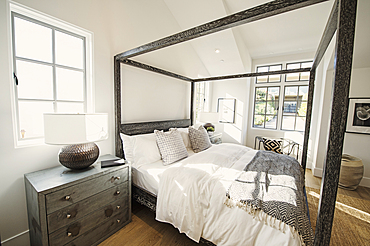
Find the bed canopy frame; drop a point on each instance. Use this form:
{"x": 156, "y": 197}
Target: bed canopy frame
{"x": 342, "y": 20}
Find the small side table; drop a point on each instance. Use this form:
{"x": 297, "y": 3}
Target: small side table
{"x": 216, "y": 138}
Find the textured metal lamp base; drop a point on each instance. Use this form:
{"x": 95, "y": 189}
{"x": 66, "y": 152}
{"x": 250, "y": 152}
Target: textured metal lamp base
{"x": 78, "y": 156}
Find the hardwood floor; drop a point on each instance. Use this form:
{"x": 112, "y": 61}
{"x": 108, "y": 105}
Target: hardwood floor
{"x": 145, "y": 230}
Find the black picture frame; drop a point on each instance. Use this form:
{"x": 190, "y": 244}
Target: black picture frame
{"x": 358, "y": 120}
{"x": 226, "y": 109}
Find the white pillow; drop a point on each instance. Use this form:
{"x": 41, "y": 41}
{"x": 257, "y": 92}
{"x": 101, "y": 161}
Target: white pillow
{"x": 140, "y": 149}
{"x": 199, "y": 139}
{"x": 171, "y": 146}
{"x": 185, "y": 136}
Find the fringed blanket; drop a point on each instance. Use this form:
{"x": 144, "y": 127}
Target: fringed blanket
{"x": 271, "y": 189}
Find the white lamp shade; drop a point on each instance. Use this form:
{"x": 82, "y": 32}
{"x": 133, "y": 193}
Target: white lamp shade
{"x": 75, "y": 128}
{"x": 209, "y": 117}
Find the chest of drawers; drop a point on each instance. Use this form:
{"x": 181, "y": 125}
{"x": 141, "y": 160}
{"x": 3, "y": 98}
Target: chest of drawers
{"x": 77, "y": 207}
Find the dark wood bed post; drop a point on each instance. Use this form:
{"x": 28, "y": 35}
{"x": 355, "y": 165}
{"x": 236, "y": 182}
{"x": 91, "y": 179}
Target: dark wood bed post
{"x": 192, "y": 88}
{"x": 117, "y": 106}
{"x": 342, "y": 76}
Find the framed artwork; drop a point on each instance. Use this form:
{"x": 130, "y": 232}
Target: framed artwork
{"x": 226, "y": 109}
{"x": 358, "y": 116}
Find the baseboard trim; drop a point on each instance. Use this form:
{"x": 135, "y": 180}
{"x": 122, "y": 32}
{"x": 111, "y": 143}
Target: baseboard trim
{"x": 317, "y": 172}
{"x": 13, "y": 237}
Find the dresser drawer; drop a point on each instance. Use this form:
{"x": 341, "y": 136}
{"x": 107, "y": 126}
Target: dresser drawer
{"x": 101, "y": 232}
{"x": 79, "y": 227}
{"x": 76, "y": 193}
{"x": 78, "y": 210}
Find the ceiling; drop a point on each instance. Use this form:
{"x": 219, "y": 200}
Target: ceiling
{"x": 297, "y": 31}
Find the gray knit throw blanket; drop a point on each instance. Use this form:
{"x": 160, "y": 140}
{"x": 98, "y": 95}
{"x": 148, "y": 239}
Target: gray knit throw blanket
{"x": 271, "y": 189}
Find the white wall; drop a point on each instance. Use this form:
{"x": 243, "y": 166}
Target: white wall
{"x": 117, "y": 27}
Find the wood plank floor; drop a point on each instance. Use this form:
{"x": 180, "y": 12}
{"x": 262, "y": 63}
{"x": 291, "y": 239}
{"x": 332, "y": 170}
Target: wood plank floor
{"x": 145, "y": 230}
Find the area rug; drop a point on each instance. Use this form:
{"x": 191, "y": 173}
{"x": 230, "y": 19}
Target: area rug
{"x": 351, "y": 224}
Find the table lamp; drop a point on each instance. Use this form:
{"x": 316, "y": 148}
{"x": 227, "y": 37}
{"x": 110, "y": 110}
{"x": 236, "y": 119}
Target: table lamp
{"x": 77, "y": 132}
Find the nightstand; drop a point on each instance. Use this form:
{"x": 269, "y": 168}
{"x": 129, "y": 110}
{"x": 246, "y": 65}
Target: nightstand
{"x": 216, "y": 138}
{"x": 77, "y": 207}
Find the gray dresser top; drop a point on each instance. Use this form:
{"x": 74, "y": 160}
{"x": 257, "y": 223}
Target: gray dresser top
{"x": 48, "y": 180}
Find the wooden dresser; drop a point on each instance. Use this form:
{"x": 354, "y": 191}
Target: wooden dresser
{"x": 77, "y": 207}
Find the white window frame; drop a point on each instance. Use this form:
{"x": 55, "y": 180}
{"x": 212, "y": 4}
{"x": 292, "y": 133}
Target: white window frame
{"x": 282, "y": 84}
{"x": 52, "y": 21}
{"x": 203, "y": 106}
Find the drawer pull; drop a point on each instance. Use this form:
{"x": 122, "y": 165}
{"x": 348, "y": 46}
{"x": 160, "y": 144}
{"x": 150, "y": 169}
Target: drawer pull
{"x": 67, "y": 198}
{"x": 115, "y": 178}
{"x": 118, "y": 207}
{"x": 69, "y": 234}
{"x": 118, "y": 221}
{"x": 118, "y": 192}
{"x": 68, "y": 216}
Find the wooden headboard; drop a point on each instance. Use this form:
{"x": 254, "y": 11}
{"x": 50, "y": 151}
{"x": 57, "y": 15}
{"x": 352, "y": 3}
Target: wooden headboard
{"x": 147, "y": 127}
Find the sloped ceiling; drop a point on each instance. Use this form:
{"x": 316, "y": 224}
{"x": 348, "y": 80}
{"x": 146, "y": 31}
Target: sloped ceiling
{"x": 297, "y": 31}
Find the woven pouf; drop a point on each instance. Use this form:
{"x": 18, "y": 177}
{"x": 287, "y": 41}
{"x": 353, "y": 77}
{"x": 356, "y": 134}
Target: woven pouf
{"x": 351, "y": 172}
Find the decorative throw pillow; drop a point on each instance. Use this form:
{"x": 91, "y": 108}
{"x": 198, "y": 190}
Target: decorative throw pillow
{"x": 272, "y": 145}
{"x": 185, "y": 136}
{"x": 171, "y": 146}
{"x": 199, "y": 139}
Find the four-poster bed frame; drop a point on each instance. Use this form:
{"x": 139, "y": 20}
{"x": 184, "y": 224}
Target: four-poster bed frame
{"x": 341, "y": 20}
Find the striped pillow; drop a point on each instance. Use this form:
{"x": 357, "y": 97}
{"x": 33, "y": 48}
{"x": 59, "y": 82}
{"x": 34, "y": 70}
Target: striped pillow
{"x": 199, "y": 139}
{"x": 170, "y": 146}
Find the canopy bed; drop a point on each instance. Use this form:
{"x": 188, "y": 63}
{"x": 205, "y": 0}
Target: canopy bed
{"x": 341, "y": 20}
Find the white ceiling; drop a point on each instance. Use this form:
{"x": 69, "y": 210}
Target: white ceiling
{"x": 297, "y": 31}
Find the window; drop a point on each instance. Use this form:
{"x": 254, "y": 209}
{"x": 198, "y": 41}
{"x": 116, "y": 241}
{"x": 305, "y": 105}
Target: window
{"x": 51, "y": 66}
{"x": 266, "y": 107}
{"x": 267, "y": 102}
{"x": 305, "y": 76}
{"x": 269, "y": 78}
{"x": 200, "y": 98}
{"x": 295, "y": 106}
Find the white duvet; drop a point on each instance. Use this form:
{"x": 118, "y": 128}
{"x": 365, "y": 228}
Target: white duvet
{"x": 192, "y": 193}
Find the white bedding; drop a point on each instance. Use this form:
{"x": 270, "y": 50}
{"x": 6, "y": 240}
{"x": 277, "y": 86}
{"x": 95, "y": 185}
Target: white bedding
{"x": 191, "y": 196}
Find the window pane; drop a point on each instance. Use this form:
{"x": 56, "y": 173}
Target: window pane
{"x": 292, "y": 77}
{"x": 291, "y": 93}
{"x": 272, "y": 107}
{"x": 262, "y": 79}
{"x": 303, "y": 92}
{"x": 35, "y": 81}
{"x": 261, "y": 94}
{"x": 275, "y": 68}
{"x": 273, "y": 93}
{"x": 32, "y": 40}
{"x": 259, "y": 121}
{"x": 70, "y": 85}
{"x": 262, "y": 69}
{"x": 274, "y": 78}
{"x": 69, "y": 50}
{"x": 306, "y": 64}
{"x": 290, "y": 107}
{"x": 293, "y": 66}
{"x": 260, "y": 108}
{"x": 271, "y": 121}
{"x": 305, "y": 76}
{"x": 302, "y": 108}
{"x": 300, "y": 124}
{"x": 67, "y": 107}
{"x": 288, "y": 123}
{"x": 31, "y": 121}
